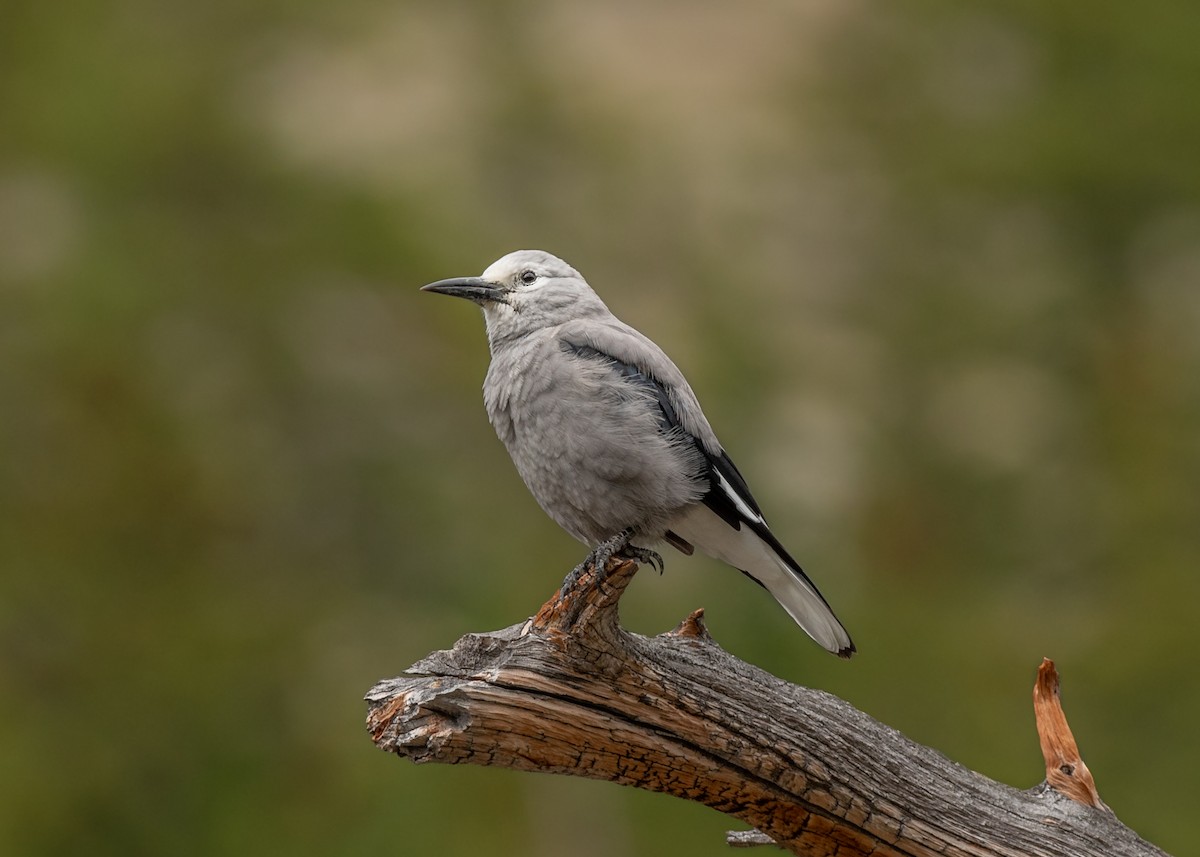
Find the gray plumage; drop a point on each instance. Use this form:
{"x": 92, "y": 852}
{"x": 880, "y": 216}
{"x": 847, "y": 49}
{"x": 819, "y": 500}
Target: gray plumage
{"x": 610, "y": 439}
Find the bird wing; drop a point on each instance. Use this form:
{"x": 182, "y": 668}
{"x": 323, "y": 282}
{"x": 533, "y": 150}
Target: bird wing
{"x": 745, "y": 541}
{"x": 621, "y": 344}
{"x": 639, "y": 361}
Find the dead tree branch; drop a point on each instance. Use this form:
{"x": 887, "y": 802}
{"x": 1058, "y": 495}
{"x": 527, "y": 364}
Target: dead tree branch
{"x": 570, "y": 692}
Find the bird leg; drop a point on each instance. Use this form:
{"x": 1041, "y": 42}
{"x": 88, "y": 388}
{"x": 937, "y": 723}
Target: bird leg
{"x": 617, "y": 546}
{"x": 598, "y": 558}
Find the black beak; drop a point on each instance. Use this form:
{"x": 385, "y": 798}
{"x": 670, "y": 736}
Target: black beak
{"x": 472, "y": 288}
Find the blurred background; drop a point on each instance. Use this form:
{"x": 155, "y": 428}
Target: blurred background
{"x": 934, "y": 270}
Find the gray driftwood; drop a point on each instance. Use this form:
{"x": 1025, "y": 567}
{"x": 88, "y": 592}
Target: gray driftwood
{"x": 570, "y": 692}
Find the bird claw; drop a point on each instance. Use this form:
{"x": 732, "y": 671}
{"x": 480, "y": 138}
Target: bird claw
{"x": 617, "y": 546}
{"x": 644, "y": 556}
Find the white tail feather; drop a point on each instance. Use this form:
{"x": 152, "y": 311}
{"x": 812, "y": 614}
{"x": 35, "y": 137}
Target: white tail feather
{"x": 744, "y": 550}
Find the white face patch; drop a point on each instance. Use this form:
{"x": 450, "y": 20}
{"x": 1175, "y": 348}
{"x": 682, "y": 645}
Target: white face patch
{"x": 508, "y": 269}
{"x": 499, "y": 272}
{"x": 513, "y": 277}
{"x": 554, "y": 294}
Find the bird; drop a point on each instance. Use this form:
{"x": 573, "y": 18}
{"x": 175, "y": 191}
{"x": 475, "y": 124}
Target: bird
{"x": 610, "y": 439}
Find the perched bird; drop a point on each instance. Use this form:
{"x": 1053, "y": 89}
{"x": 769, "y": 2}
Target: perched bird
{"x": 611, "y": 440}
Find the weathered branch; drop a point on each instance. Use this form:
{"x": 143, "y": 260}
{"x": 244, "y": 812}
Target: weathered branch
{"x": 570, "y": 692}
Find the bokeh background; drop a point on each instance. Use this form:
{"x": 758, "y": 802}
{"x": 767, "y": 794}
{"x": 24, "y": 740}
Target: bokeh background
{"x": 933, "y": 268}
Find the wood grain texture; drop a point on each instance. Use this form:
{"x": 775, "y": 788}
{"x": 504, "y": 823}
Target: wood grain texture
{"x": 1066, "y": 771}
{"x": 570, "y": 692}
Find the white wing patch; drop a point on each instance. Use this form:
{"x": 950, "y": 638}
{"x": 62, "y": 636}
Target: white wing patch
{"x": 742, "y": 507}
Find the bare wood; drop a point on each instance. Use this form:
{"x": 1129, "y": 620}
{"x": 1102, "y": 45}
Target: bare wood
{"x": 570, "y": 692}
{"x": 1065, "y": 769}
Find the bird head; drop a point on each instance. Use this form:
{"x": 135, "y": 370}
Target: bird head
{"x": 524, "y": 292}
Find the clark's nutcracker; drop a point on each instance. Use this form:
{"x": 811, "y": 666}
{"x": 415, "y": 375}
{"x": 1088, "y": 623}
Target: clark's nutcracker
{"x": 609, "y": 437}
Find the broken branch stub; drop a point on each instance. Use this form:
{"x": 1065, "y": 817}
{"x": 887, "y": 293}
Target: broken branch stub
{"x": 1065, "y": 768}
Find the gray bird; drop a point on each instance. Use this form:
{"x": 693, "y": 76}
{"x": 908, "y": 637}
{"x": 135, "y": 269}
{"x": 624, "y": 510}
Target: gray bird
{"x": 611, "y": 440}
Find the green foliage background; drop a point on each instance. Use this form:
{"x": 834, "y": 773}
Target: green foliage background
{"x": 934, "y": 269}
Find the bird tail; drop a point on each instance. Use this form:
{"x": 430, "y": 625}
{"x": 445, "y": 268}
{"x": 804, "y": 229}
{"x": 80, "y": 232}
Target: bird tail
{"x": 762, "y": 558}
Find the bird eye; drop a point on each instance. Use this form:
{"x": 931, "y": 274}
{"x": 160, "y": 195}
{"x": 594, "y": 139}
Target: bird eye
{"x": 528, "y": 277}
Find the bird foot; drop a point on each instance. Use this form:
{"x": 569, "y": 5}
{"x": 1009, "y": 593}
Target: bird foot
{"x": 643, "y": 556}
{"x": 572, "y": 579}
{"x": 616, "y": 546}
